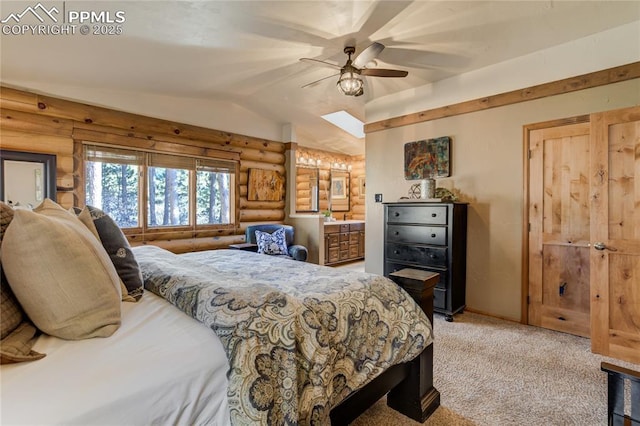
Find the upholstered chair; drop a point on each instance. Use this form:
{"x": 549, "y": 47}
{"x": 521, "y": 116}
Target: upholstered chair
{"x": 294, "y": 251}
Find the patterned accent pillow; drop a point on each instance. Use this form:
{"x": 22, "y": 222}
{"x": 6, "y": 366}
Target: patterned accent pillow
{"x": 85, "y": 217}
{"x": 17, "y": 334}
{"x": 117, "y": 246}
{"x": 6, "y": 215}
{"x": 275, "y": 243}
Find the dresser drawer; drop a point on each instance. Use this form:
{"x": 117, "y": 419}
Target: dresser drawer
{"x": 330, "y": 229}
{"x": 390, "y": 266}
{"x": 353, "y": 251}
{"x": 440, "y": 298}
{"x": 433, "y": 256}
{"x": 344, "y": 236}
{"x": 356, "y": 227}
{"x": 431, "y": 215}
{"x": 344, "y": 227}
{"x": 417, "y": 234}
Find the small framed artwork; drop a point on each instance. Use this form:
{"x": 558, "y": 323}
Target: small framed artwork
{"x": 361, "y": 187}
{"x": 338, "y": 187}
{"x": 427, "y": 158}
{"x": 265, "y": 185}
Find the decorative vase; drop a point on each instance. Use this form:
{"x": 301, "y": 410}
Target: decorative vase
{"x": 428, "y": 188}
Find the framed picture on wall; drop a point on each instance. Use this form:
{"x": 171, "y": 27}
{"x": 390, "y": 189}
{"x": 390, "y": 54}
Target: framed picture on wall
{"x": 27, "y": 178}
{"x": 338, "y": 187}
{"x": 429, "y": 158}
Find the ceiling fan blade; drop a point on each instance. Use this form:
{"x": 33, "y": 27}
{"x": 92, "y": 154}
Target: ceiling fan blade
{"x": 320, "y": 63}
{"x": 368, "y": 55}
{"x": 380, "y": 72}
{"x": 313, "y": 83}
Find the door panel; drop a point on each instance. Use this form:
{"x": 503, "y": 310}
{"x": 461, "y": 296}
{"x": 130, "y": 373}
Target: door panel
{"x": 559, "y": 228}
{"x": 615, "y": 233}
{"x": 566, "y": 289}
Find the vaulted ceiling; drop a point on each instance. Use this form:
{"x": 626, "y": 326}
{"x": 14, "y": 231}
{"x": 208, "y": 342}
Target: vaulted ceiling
{"x": 247, "y": 52}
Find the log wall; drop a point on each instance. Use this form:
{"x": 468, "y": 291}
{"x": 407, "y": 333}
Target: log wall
{"x": 43, "y": 124}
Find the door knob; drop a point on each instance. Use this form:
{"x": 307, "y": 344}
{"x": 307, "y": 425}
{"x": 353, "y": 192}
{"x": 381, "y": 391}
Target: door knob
{"x": 601, "y": 246}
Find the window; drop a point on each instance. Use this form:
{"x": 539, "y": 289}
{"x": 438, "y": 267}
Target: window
{"x": 179, "y": 191}
{"x": 112, "y": 183}
{"x": 168, "y": 190}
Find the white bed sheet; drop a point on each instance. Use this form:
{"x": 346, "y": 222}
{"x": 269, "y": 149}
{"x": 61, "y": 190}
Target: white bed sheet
{"x": 160, "y": 368}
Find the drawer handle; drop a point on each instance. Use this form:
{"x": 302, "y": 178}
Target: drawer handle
{"x": 432, "y": 256}
{"x": 396, "y": 233}
{"x": 433, "y": 215}
{"x": 433, "y": 235}
{"x": 396, "y": 214}
{"x": 396, "y": 252}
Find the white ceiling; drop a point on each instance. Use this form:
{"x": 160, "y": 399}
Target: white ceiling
{"x": 247, "y": 52}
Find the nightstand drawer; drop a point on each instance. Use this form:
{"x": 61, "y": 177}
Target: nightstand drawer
{"x": 417, "y": 234}
{"x": 431, "y": 215}
{"x": 390, "y": 267}
{"x": 430, "y": 256}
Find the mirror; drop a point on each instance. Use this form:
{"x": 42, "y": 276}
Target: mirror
{"x": 340, "y": 184}
{"x": 26, "y": 179}
{"x": 307, "y": 193}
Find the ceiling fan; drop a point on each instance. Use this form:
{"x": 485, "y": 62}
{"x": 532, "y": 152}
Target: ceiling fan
{"x": 350, "y": 81}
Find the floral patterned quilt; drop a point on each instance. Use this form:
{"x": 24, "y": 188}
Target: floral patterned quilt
{"x": 299, "y": 337}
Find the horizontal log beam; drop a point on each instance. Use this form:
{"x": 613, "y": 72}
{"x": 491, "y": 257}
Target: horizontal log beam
{"x": 559, "y": 87}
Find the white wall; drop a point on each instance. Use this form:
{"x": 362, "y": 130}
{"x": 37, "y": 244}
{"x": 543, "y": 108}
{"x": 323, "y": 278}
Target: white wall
{"x": 487, "y": 155}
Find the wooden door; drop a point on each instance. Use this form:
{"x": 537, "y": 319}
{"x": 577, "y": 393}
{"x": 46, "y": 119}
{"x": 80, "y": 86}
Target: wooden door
{"x": 615, "y": 234}
{"x": 559, "y": 228}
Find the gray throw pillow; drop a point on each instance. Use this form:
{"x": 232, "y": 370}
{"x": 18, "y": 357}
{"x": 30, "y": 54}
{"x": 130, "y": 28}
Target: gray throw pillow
{"x": 117, "y": 246}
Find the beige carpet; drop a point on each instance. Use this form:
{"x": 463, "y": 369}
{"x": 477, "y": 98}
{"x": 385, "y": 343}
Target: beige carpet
{"x": 493, "y": 372}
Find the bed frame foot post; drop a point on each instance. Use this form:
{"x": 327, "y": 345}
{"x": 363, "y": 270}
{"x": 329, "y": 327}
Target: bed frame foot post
{"x": 415, "y": 397}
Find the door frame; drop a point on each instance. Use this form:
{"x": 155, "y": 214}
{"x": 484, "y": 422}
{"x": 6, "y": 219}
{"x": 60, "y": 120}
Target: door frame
{"x": 526, "y": 130}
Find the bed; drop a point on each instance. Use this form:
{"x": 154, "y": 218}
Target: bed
{"x": 232, "y": 337}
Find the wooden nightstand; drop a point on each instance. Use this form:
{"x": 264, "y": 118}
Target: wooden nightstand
{"x": 419, "y": 284}
{"x": 244, "y": 246}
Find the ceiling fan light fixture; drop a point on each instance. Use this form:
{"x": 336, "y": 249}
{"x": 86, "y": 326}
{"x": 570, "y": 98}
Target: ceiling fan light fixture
{"x": 350, "y": 83}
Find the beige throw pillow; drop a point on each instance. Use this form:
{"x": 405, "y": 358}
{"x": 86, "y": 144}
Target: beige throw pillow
{"x": 61, "y": 274}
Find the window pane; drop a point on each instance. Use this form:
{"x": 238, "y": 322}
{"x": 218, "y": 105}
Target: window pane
{"x": 168, "y": 197}
{"x": 113, "y": 188}
{"x": 213, "y": 198}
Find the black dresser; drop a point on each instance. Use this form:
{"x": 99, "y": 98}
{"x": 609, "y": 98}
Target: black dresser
{"x": 432, "y": 237}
